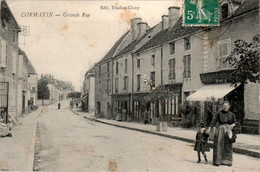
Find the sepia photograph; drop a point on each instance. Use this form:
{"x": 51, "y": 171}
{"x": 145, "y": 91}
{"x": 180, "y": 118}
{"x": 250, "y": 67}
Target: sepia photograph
{"x": 130, "y": 85}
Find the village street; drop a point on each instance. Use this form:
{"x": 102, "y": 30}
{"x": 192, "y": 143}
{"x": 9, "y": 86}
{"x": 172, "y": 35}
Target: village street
{"x": 68, "y": 142}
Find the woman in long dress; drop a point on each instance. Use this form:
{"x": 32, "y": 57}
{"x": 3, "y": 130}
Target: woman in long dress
{"x": 222, "y": 143}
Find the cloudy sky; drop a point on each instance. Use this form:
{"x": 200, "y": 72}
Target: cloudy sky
{"x": 68, "y": 46}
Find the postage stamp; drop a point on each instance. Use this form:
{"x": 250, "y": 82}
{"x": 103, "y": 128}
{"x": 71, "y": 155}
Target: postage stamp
{"x": 201, "y": 13}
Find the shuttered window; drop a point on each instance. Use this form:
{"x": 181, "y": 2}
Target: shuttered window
{"x": 187, "y": 66}
{"x": 3, "y": 53}
{"x": 14, "y": 63}
{"x": 223, "y": 52}
{"x": 172, "y": 74}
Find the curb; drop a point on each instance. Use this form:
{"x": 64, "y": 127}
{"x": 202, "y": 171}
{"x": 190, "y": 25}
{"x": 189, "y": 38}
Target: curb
{"x": 30, "y": 161}
{"x": 236, "y": 150}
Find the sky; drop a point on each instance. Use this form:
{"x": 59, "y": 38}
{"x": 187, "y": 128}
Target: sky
{"x": 67, "y": 47}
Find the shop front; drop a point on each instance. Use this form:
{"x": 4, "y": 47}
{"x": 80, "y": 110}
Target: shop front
{"x": 215, "y": 90}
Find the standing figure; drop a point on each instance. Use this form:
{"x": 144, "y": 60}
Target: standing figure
{"x": 202, "y": 13}
{"x": 59, "y": 106}
{"x": 201, "y": 144}
{"x": 223, "y": 138}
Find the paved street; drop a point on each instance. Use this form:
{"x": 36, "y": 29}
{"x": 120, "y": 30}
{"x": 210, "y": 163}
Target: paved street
{"x": 67, "y": 142}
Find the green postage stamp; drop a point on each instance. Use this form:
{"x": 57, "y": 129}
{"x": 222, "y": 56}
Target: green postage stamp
{"x": 201, "y": 13}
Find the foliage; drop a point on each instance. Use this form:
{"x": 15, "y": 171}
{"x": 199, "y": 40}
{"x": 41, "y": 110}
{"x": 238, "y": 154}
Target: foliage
{"x": 245, "y": 60}
{"x": 75, "y": 95}
{"x": 160, "y": 95}
{"x": 43, "y": 90}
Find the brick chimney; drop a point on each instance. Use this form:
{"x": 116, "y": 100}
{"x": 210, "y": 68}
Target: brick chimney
{"x": 165, "y": 22}
{"x": 141, "y": 28}
{"x": 134, "y": 27}
{"x": 174, "y": 14}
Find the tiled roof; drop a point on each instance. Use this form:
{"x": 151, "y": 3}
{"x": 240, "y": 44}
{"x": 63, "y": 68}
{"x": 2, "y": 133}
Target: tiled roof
{"x": 131, "y": 46}
{"x": 246, "y": 6}
{"x": 167, "y": 35}
{"x": 178, "y": 30}
{"x": 91, "y": 70}
{"x": 111, "y": 52}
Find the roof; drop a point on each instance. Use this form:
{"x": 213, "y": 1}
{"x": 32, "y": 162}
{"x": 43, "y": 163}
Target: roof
{"x": 91, "y": 70}
{"x": 132, "y": 44}
{"x": 246, "y": 6}
{"x": 5, "y": 5}
{"x": 169, "y": 34}
{"x": 30, "y": 67}
{"x": 112, "y": 51}
{"x": 178, "y": 30}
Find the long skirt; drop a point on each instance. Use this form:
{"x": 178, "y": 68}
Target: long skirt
{"x": 222, "y": 147}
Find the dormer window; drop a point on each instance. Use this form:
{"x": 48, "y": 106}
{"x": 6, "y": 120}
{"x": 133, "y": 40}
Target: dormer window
{"x": 224, "y": 11}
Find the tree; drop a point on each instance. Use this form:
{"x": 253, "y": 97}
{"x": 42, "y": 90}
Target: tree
{"x": 43, "y": 90}
{"x": 245, "y": 61}
{"x": 75, "y": 95}
{"x": 160, "y": 95}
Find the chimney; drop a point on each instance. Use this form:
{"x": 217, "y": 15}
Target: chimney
{"x": 174, "y": 14}
{"x": 165, "y": 22}
{"x": 142, "y": 28}
{"x": 134, "y": 27}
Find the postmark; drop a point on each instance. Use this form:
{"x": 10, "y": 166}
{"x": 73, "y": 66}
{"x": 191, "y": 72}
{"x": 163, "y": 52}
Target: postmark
{"x": 201, "y": 13}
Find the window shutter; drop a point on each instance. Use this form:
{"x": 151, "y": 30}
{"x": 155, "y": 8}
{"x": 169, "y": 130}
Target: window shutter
{"x": 14, "y": 63}
{"x": 189, "y": 65}
{"x": 20, "y": 69}
{"x": 173, "y": 69}
{"x": 3, "y": 53}
{"x": 184, "y": 64}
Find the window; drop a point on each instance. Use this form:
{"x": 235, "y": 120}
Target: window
{"x": 187, "y": 66}
{"x": 138, "y": 82}
{"x": 125, "y": 82}
{"x": 153, "y": 60}
{"x": 172, "y": 47}
{"x": 138, "y": 63}
{"x": 152, "y": 77}
{"x": 116, "y": 67}
{"x": 3, "y": 53}
{"x": 224, "y": 11}
{"x": 187, "y": 43}
{"x": 116, "y": 85}
{"x": 108, "y": 86}
{"x": 108, "y": 70}
{"x": 99, "y": 71}
{"x": 14, "y": 35}
{"x": 125, "y": 65}
{"x": 172, "y": 69}
{"x": 223, "y": 52}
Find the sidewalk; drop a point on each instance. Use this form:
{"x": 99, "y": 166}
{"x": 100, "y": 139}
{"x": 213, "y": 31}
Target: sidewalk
{"x": 17, "y": 152}
{"x": 245, "y": 144}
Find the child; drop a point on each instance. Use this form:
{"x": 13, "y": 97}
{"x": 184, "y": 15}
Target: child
{"x": 201, "y": 144}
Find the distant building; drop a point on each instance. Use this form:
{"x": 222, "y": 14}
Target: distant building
{"x": 89, "y": 90}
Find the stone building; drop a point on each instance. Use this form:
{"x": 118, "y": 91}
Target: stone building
{"x": 188, "y": 61}
{"x": 9, "y": 65}
{"x": 89, "y": 91}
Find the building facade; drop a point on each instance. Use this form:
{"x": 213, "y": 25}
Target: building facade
{"x": 188, "y": 61}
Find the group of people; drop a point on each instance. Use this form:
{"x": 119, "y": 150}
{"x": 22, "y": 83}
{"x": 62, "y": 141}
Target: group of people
{"x": 224, "y": 137}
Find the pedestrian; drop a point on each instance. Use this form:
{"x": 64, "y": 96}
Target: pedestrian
{"x": 201, "y": 143}
{"x": 224, "y": 136}
{"x": 59, "y": 106}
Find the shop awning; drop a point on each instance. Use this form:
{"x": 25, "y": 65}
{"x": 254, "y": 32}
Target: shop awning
{"x": 208, "y": 91}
